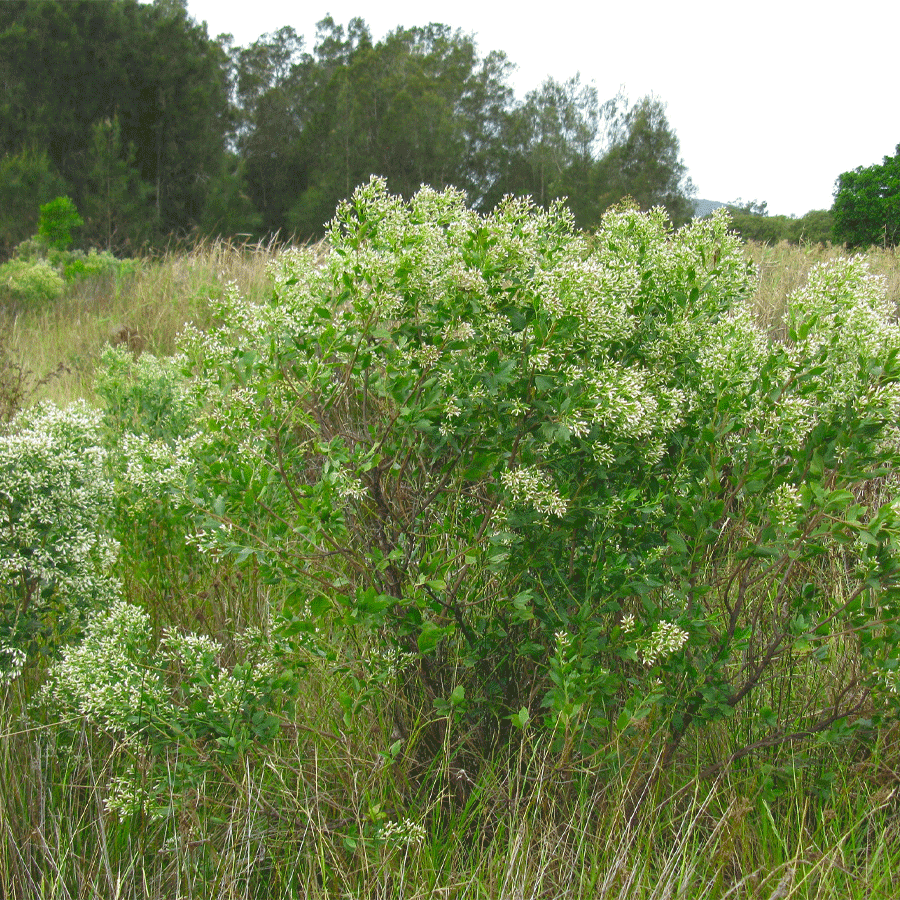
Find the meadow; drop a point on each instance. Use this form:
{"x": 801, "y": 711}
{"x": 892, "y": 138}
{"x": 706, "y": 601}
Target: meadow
{"x": 284, "y": 703}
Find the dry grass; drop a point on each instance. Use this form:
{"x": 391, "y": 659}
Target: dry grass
{"x": 156, "y": 301}
{"x": 785, "y": 267}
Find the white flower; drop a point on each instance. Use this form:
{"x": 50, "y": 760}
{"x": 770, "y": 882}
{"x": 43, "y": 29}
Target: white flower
{"x": 667, "y": 638}
{"x": 529, "y": 486}
{"x": 403, "y": 832}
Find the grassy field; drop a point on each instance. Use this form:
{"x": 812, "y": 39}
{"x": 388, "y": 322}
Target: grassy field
{"x": 306, "y": 816}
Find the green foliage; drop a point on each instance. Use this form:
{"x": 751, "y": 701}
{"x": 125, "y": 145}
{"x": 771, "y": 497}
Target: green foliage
{"x": 117, "y": 198}
{"x": 27, "y": 179}
{"x": 31, "y": 282}
{"x": 643, "y": 163}
{"x": 568, "y": 476}
{"x": 58, "y": 219}
{"x": 146, "y": 396}
{"x": 55, "y": 554}
{"x": 421, "y": 107}
{"x": 867, "y": 205}
{"x": 174, "y": 702}
{"x": 753, "y": 222}
{"x": 39, "y": 273}
{"x": 76, "y": 264}
{"x": 128, "y": 95}
{"x": 157, "y": 130}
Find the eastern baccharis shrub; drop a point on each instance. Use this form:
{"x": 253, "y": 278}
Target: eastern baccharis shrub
{"x": 56, "y": 556}
{"x": 64, "y": 477}
{"x": 568, "y": 475}
{"x": 174, "y": 701}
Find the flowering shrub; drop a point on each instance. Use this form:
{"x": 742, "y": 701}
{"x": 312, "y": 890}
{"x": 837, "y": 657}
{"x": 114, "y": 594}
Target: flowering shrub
{"x": 568, "y": 472}
{"x": 55, "y": 555}
{"x": 166, "y": 698}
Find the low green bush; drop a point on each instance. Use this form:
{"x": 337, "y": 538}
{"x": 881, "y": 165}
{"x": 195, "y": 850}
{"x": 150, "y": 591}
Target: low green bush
{"x": 31, "y": 282}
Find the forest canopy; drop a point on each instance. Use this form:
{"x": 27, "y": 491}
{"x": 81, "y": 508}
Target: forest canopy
{"x": 154, "y": 128}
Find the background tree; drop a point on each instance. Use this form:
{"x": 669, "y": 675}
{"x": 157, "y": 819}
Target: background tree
{"x": 867, "y": 204}
{"x": 753, "y": 222}
{"x": 66, "y": 66}
{"x": 27, "y": 180}
{"x": 643, "y": 162}
{"x": 116, "y": 196}
{"x": 552, "y": 140}
{"x": 153, "y": 129}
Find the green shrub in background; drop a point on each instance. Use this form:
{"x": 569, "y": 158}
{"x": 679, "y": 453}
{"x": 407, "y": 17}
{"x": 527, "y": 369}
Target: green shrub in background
{"x": 567, "y": 479}
{"x": 31, "y": 282}
{"x": 59, "y": 218}
{"x": 76, "y": 264}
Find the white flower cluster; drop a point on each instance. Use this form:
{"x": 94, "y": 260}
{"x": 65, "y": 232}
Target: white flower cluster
{"x": 389, "y": 661}
{"x": 117, "y": 678}
{"x": 154, "y": 467}
{"x": 784, "y": 504}
{"x": 403, "y": 832}
{"x": 667, "y": 638}
{"x": 12, "y": 662}
{"x": 529, "y": 486}
{"x": 107, "y": 678}
{"x": 891, "y": 680}
{"x": 55, "y": 497}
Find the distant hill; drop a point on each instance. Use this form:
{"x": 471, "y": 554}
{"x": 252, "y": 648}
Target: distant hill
{"x": 705, "y": 207}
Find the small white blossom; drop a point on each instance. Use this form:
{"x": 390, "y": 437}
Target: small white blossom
{"x": 403, "y": 832}
{"x": 667, "y": 638}
{"x": 529, "y": 486}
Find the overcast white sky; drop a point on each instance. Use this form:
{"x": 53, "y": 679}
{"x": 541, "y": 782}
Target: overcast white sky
{"x": 770, "y": 100}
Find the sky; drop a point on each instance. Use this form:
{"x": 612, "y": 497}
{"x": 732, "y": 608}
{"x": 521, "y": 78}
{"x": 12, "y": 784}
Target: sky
{"x": 771, "y": 100}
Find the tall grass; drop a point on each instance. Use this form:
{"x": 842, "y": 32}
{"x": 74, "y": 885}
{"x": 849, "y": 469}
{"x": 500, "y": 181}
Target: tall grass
{"x": 59, "y": 343}
{"x": 305, "y": 816}
{"x": 784, "y": 267}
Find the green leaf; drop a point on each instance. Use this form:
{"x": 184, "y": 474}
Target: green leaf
{"x": 430, "y": 636}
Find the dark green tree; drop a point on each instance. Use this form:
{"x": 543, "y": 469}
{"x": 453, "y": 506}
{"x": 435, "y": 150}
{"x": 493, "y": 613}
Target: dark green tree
{"x": 27, "y": 179}
{"x": 65, "y": 66}
{"x": 421, "y": 106}
{"x": 272, "y": 84}
{"x": 867, "y": 205}
{"x": 552, "y": 139}
{"x": 116, "y": 199}
{"x": 643, "y": 162}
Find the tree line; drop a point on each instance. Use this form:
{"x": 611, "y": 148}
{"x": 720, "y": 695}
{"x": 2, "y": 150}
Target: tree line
{"x": 155, "y": 129}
